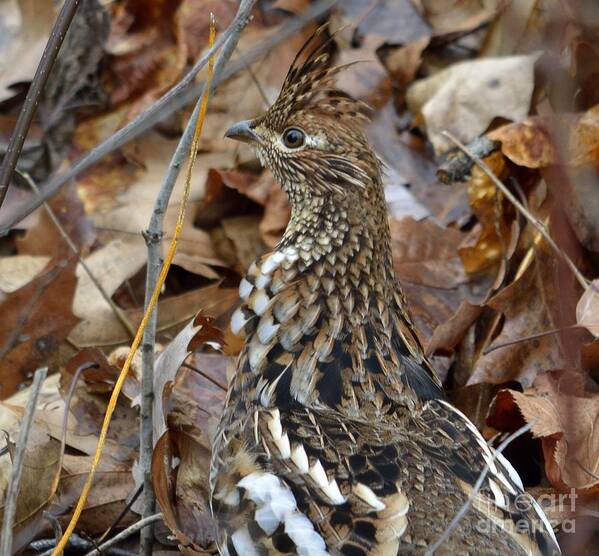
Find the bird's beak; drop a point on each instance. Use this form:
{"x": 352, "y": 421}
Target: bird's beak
{"x": 242, "y": 131}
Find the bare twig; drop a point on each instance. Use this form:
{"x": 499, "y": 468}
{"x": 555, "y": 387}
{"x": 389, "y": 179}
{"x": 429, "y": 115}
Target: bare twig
{"x": 586, "y": 470}
{"x": 180, "y": 95}
{"x": 205, "y": 375}
{"x": 153, "y": 236}
{"x": 532, "y": 337}
{"x": 123, "y": 513}
{"x": 12, "y": 492}
{"x": 527, "y": 214}
{"x": 477, "y": 486}
{"x": 77, "y": 544}
{"x": 67, "y": 405}
{"x": 55, "y": 525}
{"x": 119, "y": 313}
{"x": 137, "y": 526}
{"x": 59, "y": 31}
{"x": 256, "y": 82}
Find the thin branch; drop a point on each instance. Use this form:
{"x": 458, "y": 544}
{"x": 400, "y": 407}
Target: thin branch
{"x": 205, "y": 375}
{"x": 180, "y": 95}
{"x": 586, "y": 470}
{"x": 67, "y": 403}
{"x": 256, "y": 82}
{"x": 118, "y": 312}
{"x": 532, "y": 337}
{"x": 77, "y": 545}
{"x": 17, "y": 139}
{"x": 55, "y": 524}
{"x": 137, "y": 526}
{"x": 477, "y": 486}
{"x": 527, "y": 214}
{"x": 12, "y": 492}
{"x": 120, "y": 517}
{"x": 153, "y": 236}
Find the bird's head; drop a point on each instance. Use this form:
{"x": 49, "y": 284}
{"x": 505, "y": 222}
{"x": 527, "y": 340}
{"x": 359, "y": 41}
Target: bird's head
{"x": 311, "y": 137}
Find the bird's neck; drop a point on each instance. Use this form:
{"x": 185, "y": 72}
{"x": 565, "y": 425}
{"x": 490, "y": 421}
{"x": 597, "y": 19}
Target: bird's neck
{"x": 325, "y": 321}
{"x": 342, "y": 234}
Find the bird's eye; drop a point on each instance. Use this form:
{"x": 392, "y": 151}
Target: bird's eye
{"x": 293, "y": 138}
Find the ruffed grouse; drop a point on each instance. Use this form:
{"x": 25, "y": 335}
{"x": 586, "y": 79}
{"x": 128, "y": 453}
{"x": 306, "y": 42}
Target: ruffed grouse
{"x": 336, "y": 437}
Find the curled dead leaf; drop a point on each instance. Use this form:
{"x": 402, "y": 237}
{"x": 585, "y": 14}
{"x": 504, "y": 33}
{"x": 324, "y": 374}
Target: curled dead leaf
{"x": 182, "y": 490}
{"x": 528, "y": 143}
{"x": 530, "y": 305}
{"x": 566, "y": 425}
{"x": 195, "y": 334}
{"x": 488, "y": 242}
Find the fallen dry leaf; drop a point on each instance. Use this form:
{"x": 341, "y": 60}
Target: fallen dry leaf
{"x": 172, "y": 312}
{"x": 181, "y": 491}
{"x": 192, "y": 19}
{"x": 534, "y": 142}
{"x": 25, "y": 27}
{"x": 293, "y": 6}
{"x": 566, "y": 425}
{"x": 529, "y": 305}
{"x": 380, "y": 20}
{"x": 488, "y": 243}
{"x": 410, "y": 165}
{"x": 111, "y": 265}
{"x": 567, "y": 142}
{"x": 520, "y": 27}
{"x": 527, "y": 143}
{"x": 401, "y": 203}
{"x": 191, "y": 401}
{"x": 198, "y": 394}
{"x": 426, "y": 253}
{"x": 112, "y": 487}
{"x": 583, "y": 146}
{"x": 449, "y": 333}
{"x": 147, "y": 60}
{"x": 582, "y": 205}
{"x": 36, "y": 319}
{"x": 459, "y": 15}
{"x": 466, "y": 97}
{"x": 44, "y": 239}
{"x": 87, "y": 409}
{"x": 198, "y": 331}
{"x": 192, "y": 405}
{"x": 430, "y": 271}
{"x": 366, "y": 78}
{"x": 474, "y": 401}
{"x": 41, "y": 469}
{"x": 244, "y": 233}
{"x": 18, "y": 270}
{"x": 402, "y": 63}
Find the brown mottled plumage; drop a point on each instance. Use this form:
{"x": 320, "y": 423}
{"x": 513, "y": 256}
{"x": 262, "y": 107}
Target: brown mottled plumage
{"x": 336, "y": 437}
